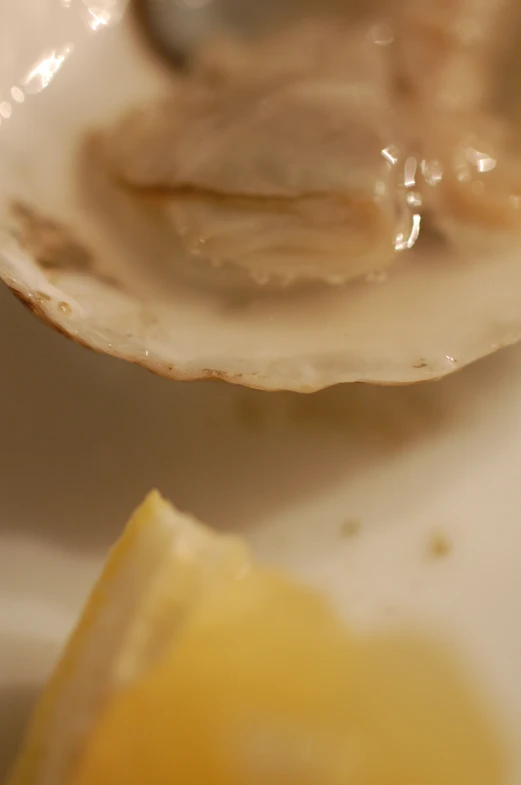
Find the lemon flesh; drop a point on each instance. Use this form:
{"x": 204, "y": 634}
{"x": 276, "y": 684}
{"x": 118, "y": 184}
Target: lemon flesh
{"x": 264, "y": 686}
{"x": 153, "y": 576}
{"x": 230, "y": 674}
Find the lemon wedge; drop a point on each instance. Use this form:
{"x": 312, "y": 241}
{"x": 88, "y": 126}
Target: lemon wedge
{"x": 192, "y": 665}
{"x": 153, "y": 575}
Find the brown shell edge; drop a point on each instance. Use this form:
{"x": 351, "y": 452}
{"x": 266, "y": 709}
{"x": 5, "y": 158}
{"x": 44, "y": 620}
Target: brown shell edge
{"x": 171, "y": 372}
{"x": 207, "y": 374}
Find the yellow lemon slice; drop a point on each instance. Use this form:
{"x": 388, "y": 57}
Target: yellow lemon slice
{"x": 191, "y": 665}
{"x": 152, "y": 577}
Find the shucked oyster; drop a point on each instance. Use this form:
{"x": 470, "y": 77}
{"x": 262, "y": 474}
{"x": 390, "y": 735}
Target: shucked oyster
{"x": 365, "y": 169}
{"x": 308, "y": 153}
{"x": 270, "y": 156}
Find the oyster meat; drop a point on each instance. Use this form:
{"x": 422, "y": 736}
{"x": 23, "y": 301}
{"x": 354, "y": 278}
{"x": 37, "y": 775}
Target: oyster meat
{"x": 315, "y": 151}
{"x": 269, "y": 154}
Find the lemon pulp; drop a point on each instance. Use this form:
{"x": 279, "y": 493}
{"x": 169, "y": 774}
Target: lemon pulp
{"x": 265, "y": 686}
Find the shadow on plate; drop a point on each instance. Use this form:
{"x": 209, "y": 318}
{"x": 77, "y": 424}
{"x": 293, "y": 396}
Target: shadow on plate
{"x": 16, "y": 704}
{"x": 84, "y": 437}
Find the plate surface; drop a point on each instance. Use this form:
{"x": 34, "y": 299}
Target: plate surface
{"x": 403, "y": 503}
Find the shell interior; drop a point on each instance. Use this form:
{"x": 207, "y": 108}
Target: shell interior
{"x": 105, "y": 267}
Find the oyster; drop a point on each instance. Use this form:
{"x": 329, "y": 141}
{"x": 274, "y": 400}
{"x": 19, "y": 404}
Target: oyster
{"x": 270, "y": 156}
{"x": 451, "y": 61}
{"x": 328, "y": 160}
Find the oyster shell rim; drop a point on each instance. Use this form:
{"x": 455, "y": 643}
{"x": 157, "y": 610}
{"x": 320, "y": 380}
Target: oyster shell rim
{"x": 42, "y": 308}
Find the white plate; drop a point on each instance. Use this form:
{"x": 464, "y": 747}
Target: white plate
{"x": 83, "y": 437}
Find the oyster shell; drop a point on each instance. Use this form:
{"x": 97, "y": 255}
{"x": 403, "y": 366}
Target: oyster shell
{"x": 100, "y": 260}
